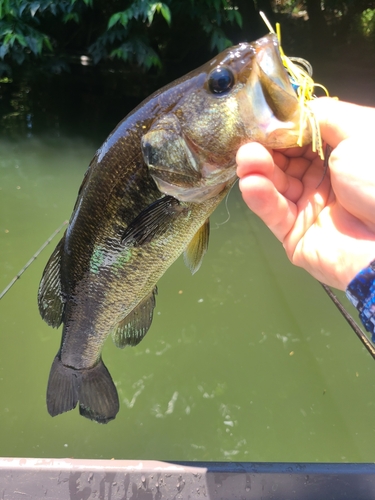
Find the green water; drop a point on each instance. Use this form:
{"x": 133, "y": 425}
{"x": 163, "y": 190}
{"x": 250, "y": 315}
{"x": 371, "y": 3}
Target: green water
{"x": 247, "y": 360}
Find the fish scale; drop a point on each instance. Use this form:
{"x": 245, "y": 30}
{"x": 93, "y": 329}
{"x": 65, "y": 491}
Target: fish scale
{"x": 145, "y": 199}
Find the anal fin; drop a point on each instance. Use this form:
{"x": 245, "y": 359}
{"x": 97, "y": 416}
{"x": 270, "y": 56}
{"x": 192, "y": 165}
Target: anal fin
{"x": 132, "y": 329}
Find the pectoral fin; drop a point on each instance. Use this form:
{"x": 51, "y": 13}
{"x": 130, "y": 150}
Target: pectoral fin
{"x": 50, "y": 297}
{"x": 152, "y": 221}
{"x": 132, "y": 329}
{"x": 194, "y": 252}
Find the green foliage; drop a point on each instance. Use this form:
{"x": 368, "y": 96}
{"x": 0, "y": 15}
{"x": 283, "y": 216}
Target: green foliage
{"x": 56, "y": 33}
{"x": 140, "y": 10}
{"x": 345, "y": 19}
{"x": 367, "y": 23}
{"x": 213, "y": 14}
{"x": 127, "y": 34}
{"x": 21, "y": 36}
{"x": 31, "y": 29}
{"x": 123, "y": 40}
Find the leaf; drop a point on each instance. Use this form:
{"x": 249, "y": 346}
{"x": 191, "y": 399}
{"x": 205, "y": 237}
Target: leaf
{"x": 9, "y": 39}
{"x": 18, "y": 56}
{"x": 47, "y": 43}
{"x": 151, "y": 12}
{"x": 159, "y": 7}
{"x": 140, "y": 9}
{"x": 121, "y": 53}
{"x": 22, "y": 8}
{"x": 151, "y": 59}
{"x": 166, "y": 13}
{"x": 33, "y": 44}
{"x": 124, "y": 19}
{"x": 238, "y": 18}
{"x": 4, "y": 8}
{"x": 52, "y": 8}
{"x": 5, "y": 29}
{"x": 114, "y": 19}
{"x": 4, "y": 49}
{"x": 21, "y": 40}
{"x": 214, "y": 40}
{"x": 219, "y": 41}
{"x": 34, "y": 8}
{"x": 72, "y": 16}
{"x": 216, "y": 5}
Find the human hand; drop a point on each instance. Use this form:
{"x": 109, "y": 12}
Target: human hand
{"x": 327, "y": 228}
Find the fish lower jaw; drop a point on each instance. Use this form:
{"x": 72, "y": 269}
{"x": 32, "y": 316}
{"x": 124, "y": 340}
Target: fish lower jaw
{"x": 278, "y": 135}
{"x": 195, "y": 194}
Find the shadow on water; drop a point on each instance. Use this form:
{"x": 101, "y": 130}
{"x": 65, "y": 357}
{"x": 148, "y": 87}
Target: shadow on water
{"x": 247, "y": 360}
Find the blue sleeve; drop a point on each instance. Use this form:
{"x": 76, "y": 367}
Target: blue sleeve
{"x": 361, "y": 293}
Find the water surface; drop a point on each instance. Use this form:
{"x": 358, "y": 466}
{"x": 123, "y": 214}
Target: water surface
{"x": 246, "y": 360}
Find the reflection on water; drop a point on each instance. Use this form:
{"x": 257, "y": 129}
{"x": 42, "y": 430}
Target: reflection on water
{"x": 246, "y": 360}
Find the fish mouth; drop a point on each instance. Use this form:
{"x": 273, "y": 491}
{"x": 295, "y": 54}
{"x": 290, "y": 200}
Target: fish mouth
{"x": 274, "y": 80}
{"x": 274, "y": 103}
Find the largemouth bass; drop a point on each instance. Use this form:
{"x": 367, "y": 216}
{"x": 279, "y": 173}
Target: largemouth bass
{"x": 145, "y": 199}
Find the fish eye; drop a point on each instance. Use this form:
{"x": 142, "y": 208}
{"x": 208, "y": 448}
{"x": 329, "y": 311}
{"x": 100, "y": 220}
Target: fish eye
{"x": 220, "y": 80}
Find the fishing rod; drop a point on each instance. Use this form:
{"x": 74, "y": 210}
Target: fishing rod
{"x": 349, "y": 318}
{"x": 36, "y": 254}
{"x": 357, "y": 330}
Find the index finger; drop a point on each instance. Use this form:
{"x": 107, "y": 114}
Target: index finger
{"x": 339, "y": 120}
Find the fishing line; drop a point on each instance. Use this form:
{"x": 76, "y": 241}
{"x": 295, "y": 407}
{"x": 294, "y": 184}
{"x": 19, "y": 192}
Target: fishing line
{"x": 36, "y": 254}
{"x": 218, "y": 224}
{"x": 357, "y": 330}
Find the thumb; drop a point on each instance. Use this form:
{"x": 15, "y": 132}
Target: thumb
{"x": 339, "y": 120}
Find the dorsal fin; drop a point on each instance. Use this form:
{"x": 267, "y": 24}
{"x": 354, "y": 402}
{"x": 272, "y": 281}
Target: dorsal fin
{"x": 50, "y": 298}
{"x": 194, "y": 252}
{"x": 132, "y": 329}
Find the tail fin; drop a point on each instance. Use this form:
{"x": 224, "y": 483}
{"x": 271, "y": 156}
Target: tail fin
{"x": 93, "y": 388}
{"x": 98, "y": 399}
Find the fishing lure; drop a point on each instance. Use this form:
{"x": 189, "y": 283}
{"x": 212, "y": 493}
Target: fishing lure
{"x": 300, "y": 74}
